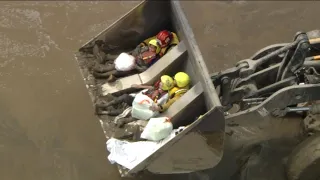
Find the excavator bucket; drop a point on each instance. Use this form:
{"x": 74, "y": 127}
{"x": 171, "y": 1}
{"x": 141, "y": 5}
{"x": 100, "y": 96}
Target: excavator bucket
{"x": 200, "y": 145}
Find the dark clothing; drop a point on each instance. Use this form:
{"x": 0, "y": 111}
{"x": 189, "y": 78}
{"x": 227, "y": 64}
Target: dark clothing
{"x": 106, "y": 71}
{"x": 115, "y": 73}
{"x": 141, "y": 65}
{"x": 99, "y": 50}
{"x": 126, "y": 98}
{"x": 155, "y": 93}
{"x": 122, "y": 102}
{"x": 103, "y": 69}
{"x": 154, "y": 60}
{"x": 136, "y": 52}
{"x": 121, "y": 122}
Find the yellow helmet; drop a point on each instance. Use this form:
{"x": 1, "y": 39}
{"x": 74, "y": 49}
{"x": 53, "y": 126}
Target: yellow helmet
{"x": 167, "y": 82}
{"x": 155, "y": 43}
{"x": 182, "y": 79}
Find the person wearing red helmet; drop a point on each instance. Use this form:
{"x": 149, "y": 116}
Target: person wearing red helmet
{"x": 144, "y": 58}
{"x": 161, "y": 44}
{"x": 167, "y": 40}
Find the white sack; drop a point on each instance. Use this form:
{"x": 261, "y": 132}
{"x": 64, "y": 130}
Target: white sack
{"x": 140, "y": 107}
{"x": 157, "y": 129}
{"x": 124, "y": 62}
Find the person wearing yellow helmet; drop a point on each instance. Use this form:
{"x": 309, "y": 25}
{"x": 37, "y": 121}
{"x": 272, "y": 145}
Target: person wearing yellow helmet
{"x": 182, "y": 83}
{"x": 119, "y": 104}
{"x": 182, "y": 79}
{"x": 149, "y": 56}
{"x": 174, "y": 87}
{"x": 158, "y": 93}
{"x": 160, "y": 88}
{"x": 154, "y": 46}
{"x": 166, "y": 39}
{"x": 167, "y": 82}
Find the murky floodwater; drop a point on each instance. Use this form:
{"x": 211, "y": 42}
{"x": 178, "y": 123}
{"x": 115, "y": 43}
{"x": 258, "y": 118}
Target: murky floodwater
{"x": 47, "y": 127}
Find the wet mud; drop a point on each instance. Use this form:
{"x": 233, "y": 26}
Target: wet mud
{"x": 48, "y": 129}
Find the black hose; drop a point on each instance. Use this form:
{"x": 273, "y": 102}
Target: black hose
{"x": 276, "y": 52}
{"x": 298, "y": 57}
{"x": 283, "y": 64}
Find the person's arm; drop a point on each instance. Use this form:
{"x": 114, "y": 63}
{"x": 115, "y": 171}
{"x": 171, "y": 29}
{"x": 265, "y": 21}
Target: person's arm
{"x": 175, "y": 38}
{"x": 146, "y": 41}
{"x": 166, "y": 106}
{"x": 138, "y": 50}
{"x": 141, "y": 69}
{"x": 135, "y": 52}
{"x": 141, "y": 86}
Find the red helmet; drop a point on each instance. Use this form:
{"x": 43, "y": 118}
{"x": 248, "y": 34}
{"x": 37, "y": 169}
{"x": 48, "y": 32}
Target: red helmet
{"x": 164, "y": 37}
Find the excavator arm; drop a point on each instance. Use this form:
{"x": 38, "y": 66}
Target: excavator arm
{"x": 275, "y": 67}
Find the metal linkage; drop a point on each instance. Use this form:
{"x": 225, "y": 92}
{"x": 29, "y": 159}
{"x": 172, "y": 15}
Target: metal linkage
{"x": 244, "y": 81}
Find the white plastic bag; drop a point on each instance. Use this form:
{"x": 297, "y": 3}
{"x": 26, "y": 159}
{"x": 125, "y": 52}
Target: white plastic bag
{"x": 129, "y": 154}
{"x": 124, "y": 62}
{"x": 140, "y": 107}
{"x": 157, "y": 129}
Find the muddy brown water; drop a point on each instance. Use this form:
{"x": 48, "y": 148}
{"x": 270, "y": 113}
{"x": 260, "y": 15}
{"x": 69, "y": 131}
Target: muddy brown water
{"x": 47, "y": 127}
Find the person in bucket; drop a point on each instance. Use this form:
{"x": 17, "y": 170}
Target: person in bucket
{"x": 167, "y": 40}
{"x": 174, "y": 87}
{"x": 147, "y": 56}
{"x": 181, "y": 86}
{"x": 155, "y": 92}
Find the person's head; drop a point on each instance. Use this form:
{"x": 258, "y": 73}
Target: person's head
{"x": 164, "y": 37}
{"x": 166, "y": 83}
{"x": 154, "y": 46}
{"x": 182, "y": 79}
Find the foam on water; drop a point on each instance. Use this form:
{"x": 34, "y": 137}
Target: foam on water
{"x": 12, "y": 18}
